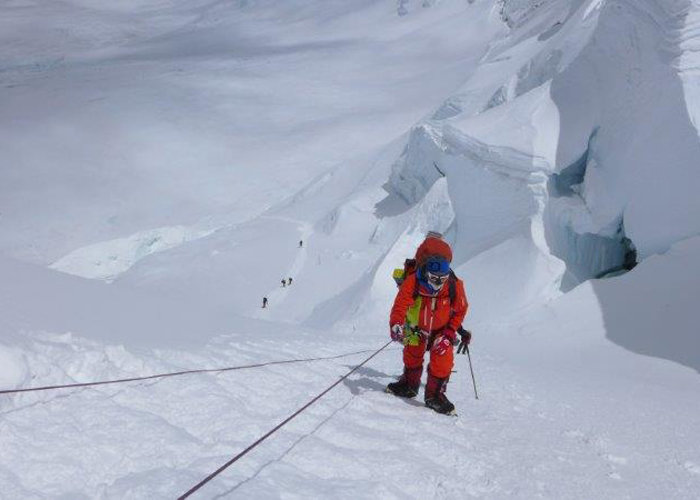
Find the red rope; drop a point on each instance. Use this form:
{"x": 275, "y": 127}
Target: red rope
{"x": 173, "y": 374}
{"x": 276, "y": 428}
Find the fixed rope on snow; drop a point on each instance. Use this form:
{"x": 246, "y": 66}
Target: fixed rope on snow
{"x": 277, "y": 427}
{"x": 174, "y": 374}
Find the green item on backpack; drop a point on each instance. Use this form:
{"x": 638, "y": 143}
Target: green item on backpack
{"x": 399, "y": 274}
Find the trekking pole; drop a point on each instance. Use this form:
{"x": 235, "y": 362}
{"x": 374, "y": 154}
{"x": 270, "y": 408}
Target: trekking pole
{"x": 471, "y": 370}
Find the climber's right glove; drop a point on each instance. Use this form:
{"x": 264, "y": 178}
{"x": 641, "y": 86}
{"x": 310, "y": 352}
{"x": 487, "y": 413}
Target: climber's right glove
{"x": 396, "y": 333}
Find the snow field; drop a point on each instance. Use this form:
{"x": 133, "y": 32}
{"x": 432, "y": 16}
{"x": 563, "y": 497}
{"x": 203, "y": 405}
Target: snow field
{"x": 229, "y": 131}
{"x": 154, "y": 117}
{"x": 512, "y": 442}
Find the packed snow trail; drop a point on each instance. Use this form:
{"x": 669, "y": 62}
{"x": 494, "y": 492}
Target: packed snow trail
{"x": 276, "y": 295}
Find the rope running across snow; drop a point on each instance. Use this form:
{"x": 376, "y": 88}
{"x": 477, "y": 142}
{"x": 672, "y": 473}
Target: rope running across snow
{"x": 174, "y": 374}
{"x": 277, "y": 427}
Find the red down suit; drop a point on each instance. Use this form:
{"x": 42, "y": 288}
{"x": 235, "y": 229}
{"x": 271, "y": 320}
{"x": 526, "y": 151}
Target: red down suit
{"x": 435, "y": 313}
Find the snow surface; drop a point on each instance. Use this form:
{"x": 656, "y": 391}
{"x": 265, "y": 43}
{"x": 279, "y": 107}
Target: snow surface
{"x": 163, "y": 159}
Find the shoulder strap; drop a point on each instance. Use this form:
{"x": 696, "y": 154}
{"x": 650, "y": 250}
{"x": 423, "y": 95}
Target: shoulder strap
{"x": 452, "y": 283}
{"x": 410, "y": 267}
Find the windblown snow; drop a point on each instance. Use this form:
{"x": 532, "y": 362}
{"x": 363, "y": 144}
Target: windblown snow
{"x": 166, "y": 164}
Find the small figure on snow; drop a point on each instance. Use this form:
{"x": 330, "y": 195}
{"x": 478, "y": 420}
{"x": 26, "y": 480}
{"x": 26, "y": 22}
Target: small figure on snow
{"x": 289, "y": 281}
{"x": 264, "y": 302}
{"x": 284, "y": 283}
{"x": 301, "y": 243}
{"x": 426, "y": 315}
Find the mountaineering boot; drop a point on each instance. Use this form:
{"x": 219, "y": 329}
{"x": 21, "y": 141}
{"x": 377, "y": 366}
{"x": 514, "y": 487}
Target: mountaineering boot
{"x": 441, "y": 405}
{"x": 400, "y": 388}
{"x": 435, "y": 398}
{"x": 407, "y": 386}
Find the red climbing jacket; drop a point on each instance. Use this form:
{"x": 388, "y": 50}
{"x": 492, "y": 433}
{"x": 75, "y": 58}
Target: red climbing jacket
{"x": 436, "y": 312}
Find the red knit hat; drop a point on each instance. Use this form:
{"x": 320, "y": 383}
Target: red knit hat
{"x": 432, "y": 246}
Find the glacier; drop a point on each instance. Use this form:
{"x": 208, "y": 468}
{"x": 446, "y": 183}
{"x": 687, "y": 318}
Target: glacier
{"x": 162, "y": 160}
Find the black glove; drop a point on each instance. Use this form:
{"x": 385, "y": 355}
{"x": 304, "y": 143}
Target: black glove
{"x": 465, "y": 339}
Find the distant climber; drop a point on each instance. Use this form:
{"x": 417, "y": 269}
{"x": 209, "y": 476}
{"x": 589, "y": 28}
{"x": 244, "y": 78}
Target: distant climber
{"x": 301, "y": 243}
{"x": 284, "y": 283}
{"x": 264, "y": 302}
{"x": 289, "y": 281}
{"x": 426, "y": 315}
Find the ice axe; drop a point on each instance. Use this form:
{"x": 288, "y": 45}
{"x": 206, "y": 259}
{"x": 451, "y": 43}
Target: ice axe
{"x": 466, "y": 337}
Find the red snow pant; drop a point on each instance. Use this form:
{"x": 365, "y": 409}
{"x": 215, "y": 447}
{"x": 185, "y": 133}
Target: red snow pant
{"x": 440, "y": 365}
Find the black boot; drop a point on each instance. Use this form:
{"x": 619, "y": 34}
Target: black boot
{"x": 435, "y": 398}
{"x": 407, "y": 386}
{"x": 400, "y": 388}
{"x": 441, "y": 405}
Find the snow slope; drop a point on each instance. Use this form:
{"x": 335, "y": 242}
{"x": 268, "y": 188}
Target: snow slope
{"x": 150, "y": 114}
{"x": 171, "y": 155}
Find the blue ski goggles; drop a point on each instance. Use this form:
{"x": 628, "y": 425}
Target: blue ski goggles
{"x": 437, "y": 280}
{"x": 437, "y": 272}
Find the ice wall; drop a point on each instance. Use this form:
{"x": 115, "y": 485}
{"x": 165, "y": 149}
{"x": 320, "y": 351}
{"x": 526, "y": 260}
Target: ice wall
{"x": 559, "y": 130}
{"x": 623, "y": 85}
